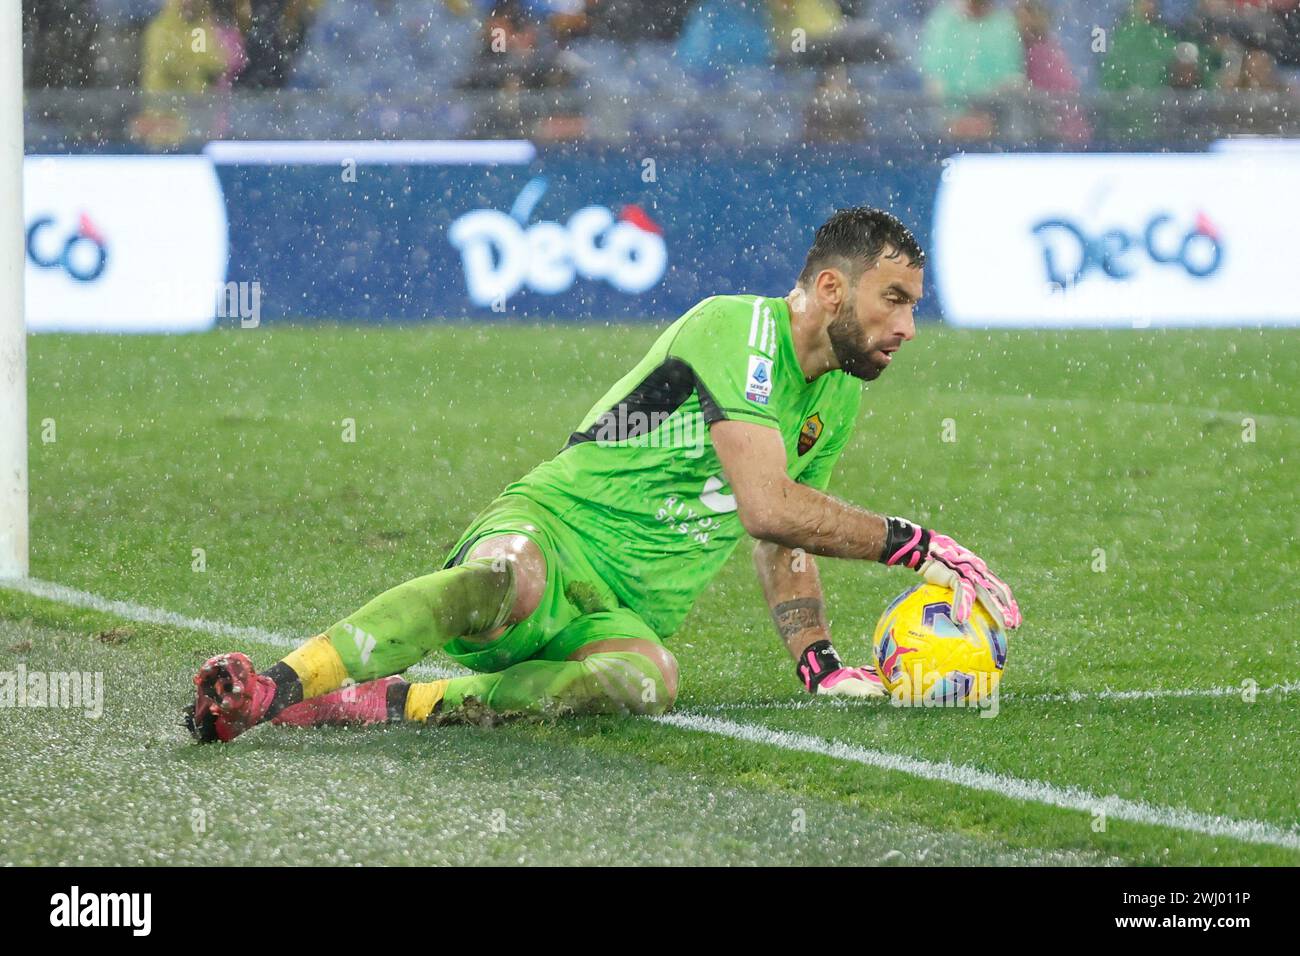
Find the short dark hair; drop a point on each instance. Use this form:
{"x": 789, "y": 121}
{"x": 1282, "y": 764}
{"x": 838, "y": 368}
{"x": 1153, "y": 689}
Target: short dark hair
{"x": 858, "y": 237}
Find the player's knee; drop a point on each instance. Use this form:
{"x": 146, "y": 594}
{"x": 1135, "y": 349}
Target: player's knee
{"x": 658, "y": 696}
{"x": 526, "y": 562}
{"x": 649, "y": 673}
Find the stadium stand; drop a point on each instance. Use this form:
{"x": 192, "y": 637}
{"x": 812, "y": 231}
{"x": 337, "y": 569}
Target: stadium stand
{"x": 1019, "y": 72}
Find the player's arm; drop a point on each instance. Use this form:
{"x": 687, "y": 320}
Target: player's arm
{"x": 793, "y": 589}
{"x": 773, "y": 507}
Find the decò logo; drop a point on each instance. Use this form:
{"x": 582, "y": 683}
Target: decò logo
{"x": 503, "y": 254}
{"x": 1071, "y": 253}
{"x": 81, "y": 253}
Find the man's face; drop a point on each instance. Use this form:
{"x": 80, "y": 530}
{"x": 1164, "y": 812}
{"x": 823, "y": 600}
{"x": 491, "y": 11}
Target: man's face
{"x": 875, "y": 318}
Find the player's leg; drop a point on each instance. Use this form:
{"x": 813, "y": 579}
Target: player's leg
{"x": 625, "y": 676}
{"x": 587, "y": 672}
{"x": 614, "y": 676}
{"x": 499, "y": 583}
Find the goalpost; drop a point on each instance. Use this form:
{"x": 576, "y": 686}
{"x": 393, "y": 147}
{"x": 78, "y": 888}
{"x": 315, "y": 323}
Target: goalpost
{"x": 13, "y": 327}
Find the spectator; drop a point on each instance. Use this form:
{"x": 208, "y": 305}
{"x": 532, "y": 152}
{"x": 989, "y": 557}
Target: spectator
{"x": 835, "y": 114}
{"x": 516, "y": 52}
{"x": 1048, "y": 71}
{"x": 225, "y": 15}
{"x": 970, "y": 48}
{"x": 1140, "y": 52}
{"x": 816, "y": 33}
{"x": 1259, "y": 73}
{"x": 969, "y": 53}
{"x": 519, "y": 54}
{"x": 721, "y": 36}
{"x": 183, "y": 57}
{"x": 1186, "y": 70}
{"x": 1287, "y": 52}
{"x": 182, "y": 49}
{"x": 429, "y": 39}
{"x": 1258, "y": 109}
{"x": 1226, "y": 31}
{"x": 634, "y": 20}
{"x": 1223, "y": 51}
{"x": 58, "y": 43}
{"x": 818, "y": 19}
{"x": 273, "y": 35}
{"x": 565, "y": 19}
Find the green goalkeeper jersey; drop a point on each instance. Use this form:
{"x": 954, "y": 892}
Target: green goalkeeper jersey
{"x": 639, "y": 480}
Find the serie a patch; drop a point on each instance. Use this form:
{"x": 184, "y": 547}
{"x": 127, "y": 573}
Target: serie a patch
{"x": 758, "y": 383}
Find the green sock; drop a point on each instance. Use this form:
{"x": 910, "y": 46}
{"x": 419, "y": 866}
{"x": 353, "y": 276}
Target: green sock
{"x": 403, "y": 624}
{"x": 611, "y": 683}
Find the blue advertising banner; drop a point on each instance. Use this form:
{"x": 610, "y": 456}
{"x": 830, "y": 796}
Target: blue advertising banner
{"x": 496, "y": 230}
{"x": 566, "y": 234}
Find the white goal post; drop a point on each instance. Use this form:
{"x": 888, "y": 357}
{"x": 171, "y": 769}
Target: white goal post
{"x": 13, "y": 327}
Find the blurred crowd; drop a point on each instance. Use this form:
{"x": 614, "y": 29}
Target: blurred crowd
{"x": 968, "y": 59}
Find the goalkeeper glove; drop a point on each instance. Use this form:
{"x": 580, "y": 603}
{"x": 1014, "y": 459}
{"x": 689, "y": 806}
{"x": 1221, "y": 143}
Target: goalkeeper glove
{"x": 941, "y": 560}
{"x": 821, "y": 671}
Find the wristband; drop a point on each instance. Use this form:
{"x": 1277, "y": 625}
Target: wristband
{"x": 815, "y": 663}
{"x": 905, "y": 543}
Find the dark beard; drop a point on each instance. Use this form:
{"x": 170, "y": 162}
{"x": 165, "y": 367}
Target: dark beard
{"x": 851, "y": 348}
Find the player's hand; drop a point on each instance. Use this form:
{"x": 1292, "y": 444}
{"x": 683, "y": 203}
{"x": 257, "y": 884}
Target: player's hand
{"x": 822, "y": 672}
{"x": 941, "y": 560}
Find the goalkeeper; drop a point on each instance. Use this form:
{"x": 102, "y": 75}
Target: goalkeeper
{"x": 560, "y": 595}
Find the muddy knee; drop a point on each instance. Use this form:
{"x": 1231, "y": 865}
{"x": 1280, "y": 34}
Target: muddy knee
{"x": 641, "y": 673}
{"x": 519, "y": 556}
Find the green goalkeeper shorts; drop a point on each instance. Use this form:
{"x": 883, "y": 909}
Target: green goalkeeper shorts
{"x": 576, "y": 608}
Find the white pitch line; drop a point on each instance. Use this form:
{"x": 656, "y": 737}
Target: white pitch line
{"x": 1157, "y": 693}
{"x": 1033, "y": 791}
{"x": 1159, "y": 408}
{"x": 1069, "y": 697}
{"x": 143, "y": 614}
{"x": 63, "y": 594}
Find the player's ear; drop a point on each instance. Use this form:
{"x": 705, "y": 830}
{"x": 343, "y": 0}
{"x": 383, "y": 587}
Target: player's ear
{"x": 830, "y": 287}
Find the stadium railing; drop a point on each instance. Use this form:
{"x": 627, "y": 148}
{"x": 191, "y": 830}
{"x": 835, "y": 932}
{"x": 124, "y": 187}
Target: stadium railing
{"x": 734, "y": 116}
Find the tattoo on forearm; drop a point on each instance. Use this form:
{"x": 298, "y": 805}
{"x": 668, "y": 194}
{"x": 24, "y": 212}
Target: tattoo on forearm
{"x": 791, "y": 617}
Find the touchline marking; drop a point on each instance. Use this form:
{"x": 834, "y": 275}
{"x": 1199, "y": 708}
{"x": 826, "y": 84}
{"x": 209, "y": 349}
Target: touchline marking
{"x": 1159, "y": 408}
{"x": 1069, "y": 697}
{"x": 1074, "y": 696}
{"x": 1033, "y": 791}
{"x": 72, "y": 597}
{"x": 63, "y": 594}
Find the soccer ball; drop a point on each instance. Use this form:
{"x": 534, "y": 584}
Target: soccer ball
{"x": 925, "y": 659}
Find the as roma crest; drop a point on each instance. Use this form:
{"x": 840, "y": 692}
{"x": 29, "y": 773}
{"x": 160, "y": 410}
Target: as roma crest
{"x": 808, "y": 435}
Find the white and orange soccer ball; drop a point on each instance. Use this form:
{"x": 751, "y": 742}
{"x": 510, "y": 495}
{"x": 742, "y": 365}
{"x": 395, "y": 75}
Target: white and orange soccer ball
{"x": 924, "y": 658}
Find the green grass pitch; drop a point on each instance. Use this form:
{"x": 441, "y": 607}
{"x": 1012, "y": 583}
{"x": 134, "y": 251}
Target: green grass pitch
{"x": 1176, "y": 453}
